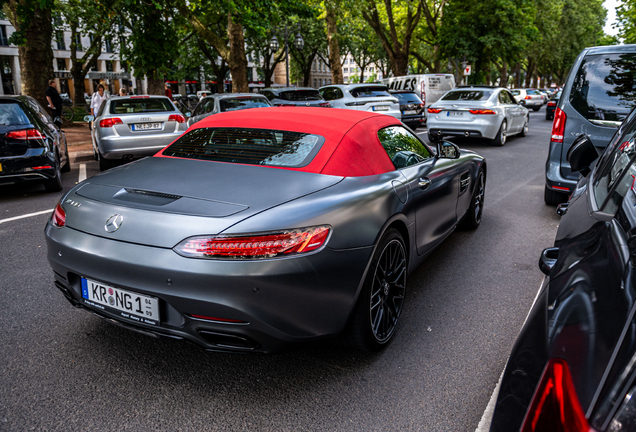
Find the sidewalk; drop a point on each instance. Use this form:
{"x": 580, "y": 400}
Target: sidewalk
{"x": 78, "y": 138}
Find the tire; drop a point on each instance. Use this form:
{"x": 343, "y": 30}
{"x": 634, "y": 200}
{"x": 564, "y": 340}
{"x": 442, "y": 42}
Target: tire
{"x": 472, "y": 219}
{"x": 54, "y": 184}
{"x": 376, "y": 314}
{"x": 524, "y": 130}
{"x": 500, "y": 139}
{"x": 553, "y": 197}
{"x": 104, "y": 164}
{"x": 536, "y": 108}
{"x": 67, "y": 113}
{"x": 67, "y": 166}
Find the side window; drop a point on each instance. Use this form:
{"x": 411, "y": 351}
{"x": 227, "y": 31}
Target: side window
{"x": 331, "y": 93}
{"x": 198, "y": 109}
{"x": 209, "y": 106}
{"x": 502, "y": 97}
{"x": 404, "y": 148}
{"x": 617, "y": 176}
{"x": 269, "y": 95}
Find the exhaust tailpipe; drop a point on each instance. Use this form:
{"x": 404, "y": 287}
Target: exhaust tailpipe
{"x": 466, "y": 134}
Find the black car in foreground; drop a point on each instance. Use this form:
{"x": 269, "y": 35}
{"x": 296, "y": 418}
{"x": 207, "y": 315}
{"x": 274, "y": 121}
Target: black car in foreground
{"x": 412, "y": 108}
{"x": 32, "y": 148}
{"x": 551, "y": 106}
{"x": 573, "y": 367}
{"x": 295, "y": 96}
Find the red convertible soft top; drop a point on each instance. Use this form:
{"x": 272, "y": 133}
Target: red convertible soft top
{"x": 351, "y": 147}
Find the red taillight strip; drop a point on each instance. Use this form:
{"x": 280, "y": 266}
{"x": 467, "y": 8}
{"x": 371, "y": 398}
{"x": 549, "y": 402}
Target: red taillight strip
{"x": 482, "y": 111}
{"x": 555, "y": 404}
{"x": 223, "y": 320}
{"x": 265, "y": 245}
{"x": 561, "y": 188}
{"x": 42, "y": 167}
{"x": 110, "y": 122}
{"x": 58, "y": 218}
{"x": 25, "y": 134}
{"x": 177, "y": 117}
{"x": 434, "y": 110}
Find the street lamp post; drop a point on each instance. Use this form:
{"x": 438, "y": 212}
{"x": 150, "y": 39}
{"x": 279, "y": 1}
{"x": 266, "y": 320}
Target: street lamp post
{"x": 299, "y": 43}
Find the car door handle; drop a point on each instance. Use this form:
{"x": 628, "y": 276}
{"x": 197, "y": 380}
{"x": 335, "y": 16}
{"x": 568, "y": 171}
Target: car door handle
{"x": 424, "y": 183}
{"x": 548, "y": 259}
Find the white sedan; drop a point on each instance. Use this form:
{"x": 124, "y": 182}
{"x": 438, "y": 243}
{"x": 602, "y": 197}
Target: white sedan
{"x": 477, "y": 112}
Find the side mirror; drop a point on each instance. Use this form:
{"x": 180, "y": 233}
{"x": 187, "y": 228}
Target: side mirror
{"x": 447, "y": 150}
{"x": 581, "y": 154}
{"x": 188, "y": 114}
{"x": 89, "y": 118}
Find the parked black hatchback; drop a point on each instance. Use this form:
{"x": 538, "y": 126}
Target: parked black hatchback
{"x": 32, "y": 148}
{"x": 573, "y": 367}
{"x": 294, "y": 96}
{"x": 412, "y": 108}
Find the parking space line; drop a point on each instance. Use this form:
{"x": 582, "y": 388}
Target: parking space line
{"x": 26, "y": 216}
{"x": 82, "y": 173}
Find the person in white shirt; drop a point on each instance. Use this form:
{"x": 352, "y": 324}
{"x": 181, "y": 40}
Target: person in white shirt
{"x": 97, "y": 99}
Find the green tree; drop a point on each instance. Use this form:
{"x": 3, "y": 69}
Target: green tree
{"x": 626, "y": 18}
{"x": 313, "y": 32}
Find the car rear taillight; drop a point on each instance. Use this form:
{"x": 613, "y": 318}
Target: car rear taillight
{"x": 555, "y": 405}
{"x": 250, "y": 246}
{"x": 528, "y": 97}
{"x": 422, "y": 105}
{"x": 423, "y": 97}
{"x": 551, "y": 103}
{"x": 177, "y": 117}
{"x": 558, "y": 126}
{"x": 25, "y": 134}
{"x": 434, "y": 110}
{"x": 325, "y": 104}
{"x": 58, "y": 218}
{"x": 110, "y": 122}
{"x": 482, "y": 111}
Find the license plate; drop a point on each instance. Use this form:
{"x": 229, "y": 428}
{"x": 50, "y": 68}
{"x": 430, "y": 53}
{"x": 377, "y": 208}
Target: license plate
{"x": 146, "y": 126}
{"x": 410, "y": 112}
{"x": 128, "y": 304}
{"x": 455, "y": 113}
{"x": 380, "y": 108}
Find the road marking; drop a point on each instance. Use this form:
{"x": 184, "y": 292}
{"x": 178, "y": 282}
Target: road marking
{"x": 486, "y": 418}
{"x": 26, "y": 216}
{"x": 82, "y": 173}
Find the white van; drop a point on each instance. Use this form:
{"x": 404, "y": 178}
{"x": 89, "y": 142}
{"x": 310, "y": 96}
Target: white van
{"x": 429, "y": 87}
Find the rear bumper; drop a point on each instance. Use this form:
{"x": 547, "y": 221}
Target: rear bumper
{"x": 554, "y": 178}
{"x": 116, "y": 147}
{"x": 22, "y": 168}
{"x": 531, "y": 103}
{"x": 279, "y": 301}
{"x": 479, "y": 128}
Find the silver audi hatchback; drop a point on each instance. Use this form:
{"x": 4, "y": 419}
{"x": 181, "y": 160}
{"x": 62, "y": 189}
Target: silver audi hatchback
{"x": 133, "y": 127}
{"x": 362, "y": 97}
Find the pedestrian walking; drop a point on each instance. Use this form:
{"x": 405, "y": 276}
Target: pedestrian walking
{"x": 55, "y": 102}
{"x": 97, "y": 99}
{"x": 168, "y": 91}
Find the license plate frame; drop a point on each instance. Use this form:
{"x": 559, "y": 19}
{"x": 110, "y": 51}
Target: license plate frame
{"x": 134, "y": 306}
{"x": 146, "y": 126}
{"x": 380, "y": 108}
{"x": 455, "y": 114}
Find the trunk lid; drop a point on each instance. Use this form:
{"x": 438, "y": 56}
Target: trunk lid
{"x": 164, "y": 200}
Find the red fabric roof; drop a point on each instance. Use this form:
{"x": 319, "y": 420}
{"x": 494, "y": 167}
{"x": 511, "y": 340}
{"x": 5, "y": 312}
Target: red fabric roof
{"x": 351, "y": 146}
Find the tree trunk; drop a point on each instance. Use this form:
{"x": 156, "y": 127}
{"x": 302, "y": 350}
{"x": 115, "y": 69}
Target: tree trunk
{"x": 156, "y": 84}
{"x": 334, "y": 46}
{"x": 238, "y": 59}
{"x": 36, "y": 54}
{"x": 437, "y": 63}
{"x": 503, "y": 75}
{"x": 529, "y": 73}
{"x": 517, "y": 78}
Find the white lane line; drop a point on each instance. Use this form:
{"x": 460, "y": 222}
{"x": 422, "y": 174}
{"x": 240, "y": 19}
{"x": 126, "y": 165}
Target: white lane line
{"x": 82, "y": 173}
{"x": 26, "y": 216}
{"x": 486, "y": 418}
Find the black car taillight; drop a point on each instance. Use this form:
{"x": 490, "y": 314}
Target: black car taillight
{"x": 25, "y": 134}
{"x": 555, "y": 405}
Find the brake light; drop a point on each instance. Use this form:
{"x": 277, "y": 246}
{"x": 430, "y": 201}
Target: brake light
{"x": 555, "y": 405}
{"x": 267, "y": 245}
{"x": 42, "y": 167}
{"x": 325, "y": 104}
{"x": 58, "y": 218}
{"x": 551, "y": 103}
{"x": 25, "y": 134}
{"x": 434, "y": 110}
{"x": 482, "y": 111}
{"x": 558, "y": 126}
{"x": 110, "y": 122}
{"x": 177, "y": 117}
{"x": 528, "y": 97}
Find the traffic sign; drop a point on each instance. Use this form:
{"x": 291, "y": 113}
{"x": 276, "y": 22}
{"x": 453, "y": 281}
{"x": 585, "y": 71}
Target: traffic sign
{"x": 467, "y": 69}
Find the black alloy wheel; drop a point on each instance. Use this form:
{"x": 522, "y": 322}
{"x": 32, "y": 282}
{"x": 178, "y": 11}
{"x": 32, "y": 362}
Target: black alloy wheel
{"x": 472, "y": 219}
{"x": 67, "y": 166}
{"x": 379, "y": 306}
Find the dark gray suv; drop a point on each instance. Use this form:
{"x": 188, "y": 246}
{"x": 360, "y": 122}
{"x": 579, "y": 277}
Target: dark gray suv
{"x": 599, "y": 93}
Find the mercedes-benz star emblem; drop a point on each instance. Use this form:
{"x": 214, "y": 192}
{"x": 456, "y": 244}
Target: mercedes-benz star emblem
{"x": 113, "y": 223}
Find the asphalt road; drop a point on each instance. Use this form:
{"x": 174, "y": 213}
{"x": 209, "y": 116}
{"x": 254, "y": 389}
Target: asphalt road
{"x": 64, "y": 369}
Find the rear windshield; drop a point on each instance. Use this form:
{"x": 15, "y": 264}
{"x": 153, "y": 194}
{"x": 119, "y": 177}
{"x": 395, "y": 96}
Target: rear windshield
{"x": 141, "y": 105}
{"x": 11, "y": 114}
{"x": 234, "y": 104}
{"x": 604, "y": 87}
{"x": 533, "y": 92}
{"x": 468, "y": 95}
{"x": 362, "y": 92}
{"x": 247, "y": 146}
{"x": 301, "y": 95}
{"x": 406, "y": 98}
{"x": 515, "y": 92}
